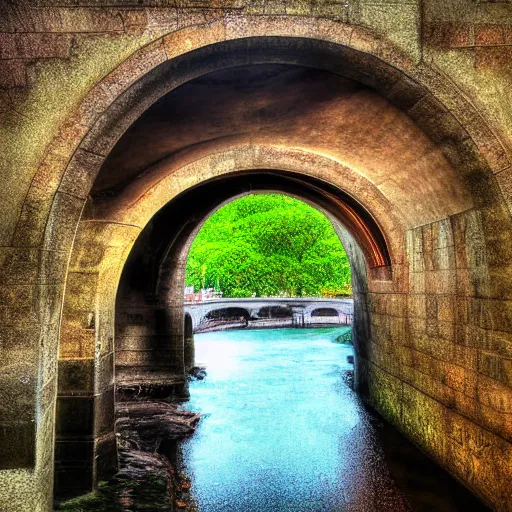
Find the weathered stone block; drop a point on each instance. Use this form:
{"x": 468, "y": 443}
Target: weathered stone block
{"x": 417, "y": 282}
{"x": 17, "y": 445}
{"x": 115, "y": 84}
{"x": 76, "y": 377}
{"x": 166, "y": 18}
{"x": 77, "y": 341}
{"x": 417, "y": 306}
{"x": 106, "y": 456}
{"x": 80, "y": 174}
{"x": 385, "y": 393}
{"x": 19, "y": 265}
{"x": 12, "y": 74}
{"x": 53, "y": 265}
{"x": 298, "y": 7}
{"x": 423, "y": 419}
{"x": 430, "y": 386}
{"x": 449, "y": 34}
{"x": 494, "y": 394}
{"x": 81, "y": 289}
{"x": 32, "y": 222}
{"x": 33, "y": 46}
{"x": 405, "y": 93}
{"x": 440, "y": 281}
{"x": 64, "y": 216}
{"x": 104, "y": 375}
{"x": 504, "y": 179}
{"x": 14, "y": 346}
{"x": 104, "y": 412}
{"x": 18, "y": 391}
{"x": 479, "y": 458}
{"x": 495, "y": 367}
{"x": 492, "y": 57}
{"x": 492, "y": 34}
{"x": 435, "y": 347}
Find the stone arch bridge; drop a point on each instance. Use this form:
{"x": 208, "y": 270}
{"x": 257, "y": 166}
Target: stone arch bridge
{"x": 301, "y": 312}
{"x": 394, "y": 119}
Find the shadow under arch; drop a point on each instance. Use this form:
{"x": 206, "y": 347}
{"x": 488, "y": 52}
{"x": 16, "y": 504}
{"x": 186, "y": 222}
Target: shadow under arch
{"x": 188, "y": 340}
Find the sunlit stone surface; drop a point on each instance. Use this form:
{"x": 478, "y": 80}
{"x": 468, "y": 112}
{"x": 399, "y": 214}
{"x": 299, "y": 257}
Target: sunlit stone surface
{"x": 282, "y": 430}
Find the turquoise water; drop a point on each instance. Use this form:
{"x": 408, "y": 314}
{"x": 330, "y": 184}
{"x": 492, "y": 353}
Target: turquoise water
{"x": 282, "y": 430}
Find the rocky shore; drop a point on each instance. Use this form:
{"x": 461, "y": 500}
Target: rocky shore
{"x": 147, "y": 432}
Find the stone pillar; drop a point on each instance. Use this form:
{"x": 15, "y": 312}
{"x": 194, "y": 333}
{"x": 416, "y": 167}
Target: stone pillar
{"x": 85, "y": 447}
{"x": 297, "y": 315}
{"x": 149, "y": 323}
{"x": 149, "y": 352}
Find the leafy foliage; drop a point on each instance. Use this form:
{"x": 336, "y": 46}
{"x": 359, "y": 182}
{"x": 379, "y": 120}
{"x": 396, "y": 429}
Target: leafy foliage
{"x": 269, "y": 244}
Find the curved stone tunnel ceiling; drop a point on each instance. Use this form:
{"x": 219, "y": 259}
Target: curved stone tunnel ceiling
{"x": 295, "y": 107}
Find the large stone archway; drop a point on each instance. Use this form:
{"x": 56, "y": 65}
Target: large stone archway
{"x": 450, "y": 248}
{"x": 146, "y": 321}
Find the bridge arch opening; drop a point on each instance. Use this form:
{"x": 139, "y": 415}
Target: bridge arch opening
{"x": 324, "y": 312}
{"x": 171, "y": 250}
{"x": 226, "y": 314}
{"x": 412, "y": 219}
{"x": 275, "y": 312}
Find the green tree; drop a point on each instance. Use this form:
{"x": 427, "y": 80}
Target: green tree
{"x": 268, "y": 244}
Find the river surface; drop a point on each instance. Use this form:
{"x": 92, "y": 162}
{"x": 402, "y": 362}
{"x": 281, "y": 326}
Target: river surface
{"x": 282, "y": 430}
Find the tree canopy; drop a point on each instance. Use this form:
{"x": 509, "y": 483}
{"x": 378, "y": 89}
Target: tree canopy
{"x": 269, "y": 245}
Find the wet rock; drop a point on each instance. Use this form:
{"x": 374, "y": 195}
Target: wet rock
{"x": 350, "y": 359}
{"x": 197, "y": 373}
{"x": 143, "y": 429}
{"x": 345, "y": 338}
{"x": 147, "y": 432}
{"x": 145, "y": 482}
{"x": 348, "y": 377}
{"x": 135, "y": 466}
{"x": 183, "y": 499}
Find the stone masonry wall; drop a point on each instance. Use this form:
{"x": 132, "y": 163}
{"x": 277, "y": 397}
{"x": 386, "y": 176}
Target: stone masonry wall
{"x": 439, "y": 362}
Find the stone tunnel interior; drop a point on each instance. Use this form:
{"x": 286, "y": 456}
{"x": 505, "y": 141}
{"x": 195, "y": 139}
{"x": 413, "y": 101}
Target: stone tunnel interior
{"x": 411, "y": 194}
{"x": 286, "y": 106}
{"x": 281, "y": 105}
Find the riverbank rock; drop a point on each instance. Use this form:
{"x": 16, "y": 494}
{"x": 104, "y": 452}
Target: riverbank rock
{"x": 144, "y": 482}
{"x": 145, "y": 425}
{"x": 136, "y": 464}
{"x": 348, "y": 377}
{"x": 145, "y": 428}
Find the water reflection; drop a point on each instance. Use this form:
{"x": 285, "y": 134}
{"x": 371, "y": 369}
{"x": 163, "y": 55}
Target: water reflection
{"x": 283, "y": 431}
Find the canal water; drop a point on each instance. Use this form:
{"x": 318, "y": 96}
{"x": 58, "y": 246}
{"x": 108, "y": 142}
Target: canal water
{"x": 282, "y": 430}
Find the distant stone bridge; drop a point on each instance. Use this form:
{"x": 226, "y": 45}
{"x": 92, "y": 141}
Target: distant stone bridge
{"x": 298, "y": 312}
